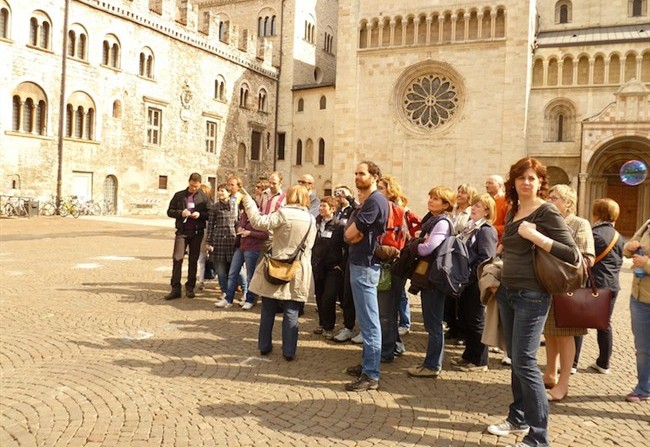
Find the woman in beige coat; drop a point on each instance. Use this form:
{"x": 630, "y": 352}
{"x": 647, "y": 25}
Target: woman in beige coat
{"x": 289, "y": 225}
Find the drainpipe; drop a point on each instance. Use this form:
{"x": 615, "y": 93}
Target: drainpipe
{"x": 277, "y": 91}
{"x": 64, "y": 58}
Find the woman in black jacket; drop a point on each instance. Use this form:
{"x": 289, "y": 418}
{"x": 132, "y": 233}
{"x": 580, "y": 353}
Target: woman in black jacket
{"x": 609, "y": 259}
{"x": 327, "y": 265}
{"x": 481, "y": 239}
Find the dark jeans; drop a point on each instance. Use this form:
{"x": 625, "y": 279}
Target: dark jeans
{"x": 328, "y": 287}
{"x": 473, "y": 313}
{"x": 389, "y": 302}
{"x": 605, "y": 341}
{"x": 290, "y": 311}
{"x": 183, "y": 240}
{"x": 523, "y": 314}
{"x": 347, "y": 302}
{"x": 433, "y": 309}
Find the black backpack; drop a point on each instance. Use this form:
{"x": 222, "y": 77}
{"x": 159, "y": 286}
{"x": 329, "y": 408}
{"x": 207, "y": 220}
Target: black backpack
{"x": 449, "y": 271}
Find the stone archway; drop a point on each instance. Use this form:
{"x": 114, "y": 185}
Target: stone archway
{"x": 602, "y": 180}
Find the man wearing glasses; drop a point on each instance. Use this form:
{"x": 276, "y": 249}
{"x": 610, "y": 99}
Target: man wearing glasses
{"x": 308, "y": 182}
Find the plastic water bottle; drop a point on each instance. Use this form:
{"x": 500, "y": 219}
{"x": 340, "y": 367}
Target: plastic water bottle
{"x": 638, "y": 271}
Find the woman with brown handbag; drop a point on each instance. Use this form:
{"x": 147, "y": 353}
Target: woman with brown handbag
{"x": 607, "y": 266}
{"x": 559, "y": 341}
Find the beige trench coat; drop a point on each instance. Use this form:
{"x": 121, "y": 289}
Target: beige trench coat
{"x": 289, "y": 225}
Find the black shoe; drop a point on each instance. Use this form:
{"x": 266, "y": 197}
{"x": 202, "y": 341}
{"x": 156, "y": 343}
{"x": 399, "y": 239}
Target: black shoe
{"x": 354, "y": 371}
{"x": 173, "y": 295}
{"x": 190, "y": 293}
{"x": 387, "y": 360}
{"x": 288, "y": 358}
{"x": 363, "y": 383}
{"x": 266, "y": 352}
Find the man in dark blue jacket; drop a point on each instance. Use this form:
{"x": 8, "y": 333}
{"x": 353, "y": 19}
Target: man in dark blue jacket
{"x": 190, "y": 209}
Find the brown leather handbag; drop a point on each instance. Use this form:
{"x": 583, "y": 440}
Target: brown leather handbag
{"x": 584, "y": 307}
{"x": 556, "y": 276}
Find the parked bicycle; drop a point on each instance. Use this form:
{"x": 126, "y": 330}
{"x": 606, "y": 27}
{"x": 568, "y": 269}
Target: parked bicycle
{"x": 15, "y": 207}
{"x": 107, "y": 207}
{"x": 70, "y": 206}
{"x": 48, "y": 207}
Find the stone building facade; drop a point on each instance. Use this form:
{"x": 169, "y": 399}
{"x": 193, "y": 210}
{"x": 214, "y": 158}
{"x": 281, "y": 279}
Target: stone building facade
{"x": 435, "y": 92}
{"x": 151, "y": 93}
{"x": 448, "y": 93}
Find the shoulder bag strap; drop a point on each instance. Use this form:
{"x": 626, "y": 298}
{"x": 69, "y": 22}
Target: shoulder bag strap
{"x": 608, "y": 249}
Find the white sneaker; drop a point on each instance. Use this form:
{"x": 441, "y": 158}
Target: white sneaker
{"x": 403, "y": 330}
{"x": 223, "y": 303}
{"x": 344, "y": 334}
{"x": 505, "y": 428}
{"x": 358, "y": 339}
{"x": 505, "y": 361}
{"x": 247, "y": 306}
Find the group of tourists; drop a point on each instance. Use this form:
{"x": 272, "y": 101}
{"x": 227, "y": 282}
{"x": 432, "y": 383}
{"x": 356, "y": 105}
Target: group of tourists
{"x": 360, "y": 252}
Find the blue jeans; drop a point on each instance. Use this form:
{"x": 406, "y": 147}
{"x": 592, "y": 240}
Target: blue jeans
{"x": 404, "y": 311}
{"x": 290, "y": 310}
{"x": 523, "y": 314}
{"x": 433, "y": 309}
{"x": 640, "y": 313}
{"x": 363, "y": 281}
{"x": 239, "y": 258}
{"x": 221, "y": 269}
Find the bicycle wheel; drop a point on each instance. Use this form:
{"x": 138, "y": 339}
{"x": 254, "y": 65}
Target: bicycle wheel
{"x": 75, "y": 211}
{"x": 9, "y": 210}
{"x": 63, "y": 210}
{"x": 47, "y": 209}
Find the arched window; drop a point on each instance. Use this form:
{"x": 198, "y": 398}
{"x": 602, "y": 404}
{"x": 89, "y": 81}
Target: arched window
{"x": 117, "y": 109}
{"x": 645, "y": 67}
{"x": 273, "y": 26}
{"x": 220, "y": 88}
{"x": 40, "y": 30}
{"x": 29, "y": 109}
{"x": 614, "y": 69}
{"x": 563, "y": 11}
{"x": 111, "y": 51}
{"x": 321, "y": 151}
{"x": 146, "y": 63}
{"x": 4, "y": 20}
{"x": 243, "y": 95}
{"x": 552, "y": 72}
{"x": 630, "y": 67}
{"x": 567, "y": 71}
{"x": 261, "y": 100}
{"x": 80, "y": 116}
{"x": 77, "y": 38}
{"x": 224, "y": 31}
{"x": 301, "y": 105}
{"x": 323, "y": 102}
{"x": 299, "y": 153}
{"x": 559, "y": 121}
{"x": 599, "y": 70}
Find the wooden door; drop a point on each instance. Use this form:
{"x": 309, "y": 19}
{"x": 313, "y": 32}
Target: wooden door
{"x": 627, "y": 198}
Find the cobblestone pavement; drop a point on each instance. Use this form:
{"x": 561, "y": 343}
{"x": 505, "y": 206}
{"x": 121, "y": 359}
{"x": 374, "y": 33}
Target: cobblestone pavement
{"x": 91, "y": 355}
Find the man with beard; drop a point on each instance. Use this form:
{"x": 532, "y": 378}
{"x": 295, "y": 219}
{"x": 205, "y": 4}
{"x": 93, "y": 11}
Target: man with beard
{"x": 366, "y": 224}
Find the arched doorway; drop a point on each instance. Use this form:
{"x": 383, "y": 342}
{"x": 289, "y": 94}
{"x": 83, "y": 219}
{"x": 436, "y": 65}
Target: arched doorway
{"x": 603, "y": 181}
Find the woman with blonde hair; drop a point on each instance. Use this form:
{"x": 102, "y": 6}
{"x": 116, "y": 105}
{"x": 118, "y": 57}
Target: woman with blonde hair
{"x": 435, "y": 230}
{"x": 464, "y": 199}
{"x": 291, "y": 225}
{"x": 480, "y": 236}
{"x": 559, "y": 341}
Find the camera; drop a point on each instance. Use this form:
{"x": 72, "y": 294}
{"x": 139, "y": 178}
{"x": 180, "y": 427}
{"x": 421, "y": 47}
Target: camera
{"x": 339, "y": 193}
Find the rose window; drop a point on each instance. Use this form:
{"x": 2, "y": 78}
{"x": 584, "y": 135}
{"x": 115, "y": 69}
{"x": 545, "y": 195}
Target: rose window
{"x": 430, "y": 101}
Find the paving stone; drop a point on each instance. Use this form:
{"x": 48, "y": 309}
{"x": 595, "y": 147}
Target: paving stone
{"x": 95, "y": 356}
